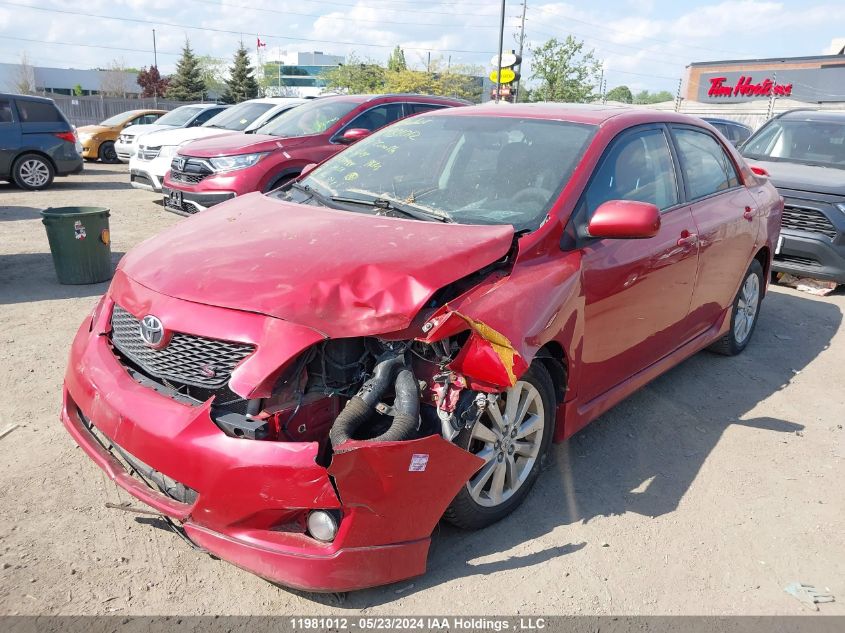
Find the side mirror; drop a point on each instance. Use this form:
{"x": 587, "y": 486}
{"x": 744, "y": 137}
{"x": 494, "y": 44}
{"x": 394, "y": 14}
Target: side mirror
{"x": 307, "y": 169}
{"x": 354, "y": 134}
{"x": 625, "y": 219}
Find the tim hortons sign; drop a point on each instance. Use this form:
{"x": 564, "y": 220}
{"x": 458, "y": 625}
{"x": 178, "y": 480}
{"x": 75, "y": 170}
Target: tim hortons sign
{"x": 745, "y": 87}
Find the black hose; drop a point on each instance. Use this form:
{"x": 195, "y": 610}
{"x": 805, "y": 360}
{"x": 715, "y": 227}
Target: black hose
{"x": 360, "y": 408}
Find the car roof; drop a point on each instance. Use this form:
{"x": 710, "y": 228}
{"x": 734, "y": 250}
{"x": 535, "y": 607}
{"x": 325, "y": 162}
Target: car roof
{"x": 275, "y": 100}
{"x": 27, "y": 97}
{"x": 589, "y": 114}
{"x": 829, "y": 116}
{"x": 711, "y": 119}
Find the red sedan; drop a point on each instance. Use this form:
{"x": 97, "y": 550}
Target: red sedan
{"x": 306, "y": 382}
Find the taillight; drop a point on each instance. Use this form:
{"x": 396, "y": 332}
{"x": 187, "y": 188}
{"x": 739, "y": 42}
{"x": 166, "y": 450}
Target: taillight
{"x": 70, "y": 137}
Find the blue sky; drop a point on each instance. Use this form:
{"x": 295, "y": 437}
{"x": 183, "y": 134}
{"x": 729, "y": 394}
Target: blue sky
{"x": 643, "y": 43}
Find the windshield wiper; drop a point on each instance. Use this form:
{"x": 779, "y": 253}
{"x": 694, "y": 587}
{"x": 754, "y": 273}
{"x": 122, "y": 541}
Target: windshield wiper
{"x": 389, "y": 204}
{"x": 307, "y": 189}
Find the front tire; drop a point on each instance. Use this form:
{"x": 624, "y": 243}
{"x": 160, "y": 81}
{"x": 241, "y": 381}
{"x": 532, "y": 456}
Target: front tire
{"x": 512, "y": 437}
{"x": 33, "y": 172}
{"x": 107, "y": 153}
{"x": 746, "y": 309}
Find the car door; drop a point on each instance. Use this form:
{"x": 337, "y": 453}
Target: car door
{"x": 10, "y": 135}
{"x": 636, "y": 292}
{"x": 723, "y": 211}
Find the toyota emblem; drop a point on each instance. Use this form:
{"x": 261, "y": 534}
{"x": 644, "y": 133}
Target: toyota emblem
{"x": 152, "y": 331}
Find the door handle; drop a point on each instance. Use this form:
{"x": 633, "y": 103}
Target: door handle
{"x": 748, "y": 214}
{"x": 687, "y": 238}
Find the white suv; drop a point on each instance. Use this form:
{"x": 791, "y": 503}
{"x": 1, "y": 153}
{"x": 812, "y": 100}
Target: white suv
{"x": 183, "y": 116}
{"x": 154, "y": 152}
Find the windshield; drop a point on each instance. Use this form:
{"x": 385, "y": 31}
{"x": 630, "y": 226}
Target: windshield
{"x": 239, "y": 117}
{"x": 310, "y": 118}
{"x": 809, "y": 142}
{"x": 471, "y": 170}
{"x": 117, "y": 119}
{"x": 180, "y": 116}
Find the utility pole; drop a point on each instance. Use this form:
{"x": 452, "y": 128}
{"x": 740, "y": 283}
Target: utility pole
{"x": 678, "y": 96}
{"x": 501, "y": 44}
{"x": 521, "y": 46}
{"x": 155, "y": 63}
{"x": 428, "y": 63}
{"x": 279, "y": 65}
{"x": 601, "y": 84}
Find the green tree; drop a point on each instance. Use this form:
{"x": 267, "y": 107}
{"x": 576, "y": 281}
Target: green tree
{"x": 241, "y": 84}
{"x": 396, "y": 62}
{"x": 187, "y": 82}
{"x": 356, "y": 76}
{"x": 77, "y": 90}
{"x": 645, "y": 96}
{"x": 213, "y": 72}
{"x": 621, "y": 94}
{"x": 564, "y": 70}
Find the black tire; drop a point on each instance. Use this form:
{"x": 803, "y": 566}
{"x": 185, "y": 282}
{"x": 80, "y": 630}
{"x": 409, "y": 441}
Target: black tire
{"x": 732, "y": 343}
{"x": 107, "y": 153}
{"x": 280, "y": 182}
{"x": 465, "y": 511}
{"x": 33, "y": 172}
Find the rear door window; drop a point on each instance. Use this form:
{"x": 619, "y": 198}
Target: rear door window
{"x": 417, "y": 108}
{"x": 5, "y": 110}
{"x": 38, "y": 112}
{"x": 707, "y": 168}
{"x": 376, "y": 118}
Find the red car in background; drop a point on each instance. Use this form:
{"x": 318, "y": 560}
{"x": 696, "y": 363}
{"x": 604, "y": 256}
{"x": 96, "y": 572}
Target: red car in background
{"x": 209, "y": 171}
{"x": 306, "y": 381}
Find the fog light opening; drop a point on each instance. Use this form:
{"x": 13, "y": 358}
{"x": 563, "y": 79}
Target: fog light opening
{"x": 322, "y": 525}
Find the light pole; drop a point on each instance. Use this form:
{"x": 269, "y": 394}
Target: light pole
{"x": 155, "y": 63}
{"x": 501, "y": 43}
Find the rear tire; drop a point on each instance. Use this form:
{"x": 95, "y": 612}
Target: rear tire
{"x": 33, "y": 172}
{"x": 107, "y": 153}
{"x": 513, "y": 436}
{"x": 744, "y": 314}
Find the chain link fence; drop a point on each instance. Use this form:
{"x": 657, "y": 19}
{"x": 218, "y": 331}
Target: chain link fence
{"x": 91, "y": 110}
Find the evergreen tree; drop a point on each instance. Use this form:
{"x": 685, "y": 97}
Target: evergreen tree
{"x": 241, "y": 84}
{"x": 396, "y": 62}
{"x": 187, "y": 84}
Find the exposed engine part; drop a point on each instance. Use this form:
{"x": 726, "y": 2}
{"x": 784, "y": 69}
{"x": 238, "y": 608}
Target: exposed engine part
{"x": 337, "y": 366}
{"x": 392, "y": 370}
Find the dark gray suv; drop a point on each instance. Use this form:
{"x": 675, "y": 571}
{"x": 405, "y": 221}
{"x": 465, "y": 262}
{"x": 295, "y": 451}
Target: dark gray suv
{"x": 804, "y": 153}
{"x": 36, "y": 142}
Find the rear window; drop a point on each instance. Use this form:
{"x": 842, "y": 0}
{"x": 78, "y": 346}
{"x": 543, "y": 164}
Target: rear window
{"x": 5, "y": 111}
{"x": 38, "y": 112}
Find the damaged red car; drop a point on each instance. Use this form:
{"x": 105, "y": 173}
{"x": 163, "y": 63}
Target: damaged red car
{"x": 306, "y": 382}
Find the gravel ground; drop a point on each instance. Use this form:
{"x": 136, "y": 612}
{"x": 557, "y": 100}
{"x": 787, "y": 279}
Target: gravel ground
{"x": 705, "y": 493}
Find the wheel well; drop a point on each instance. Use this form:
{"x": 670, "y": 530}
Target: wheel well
{"x": 762, "y": 256}
{"x": 289, "y": 173}
{"x": 554, "y": 360}
{"x": 37, "y": 153}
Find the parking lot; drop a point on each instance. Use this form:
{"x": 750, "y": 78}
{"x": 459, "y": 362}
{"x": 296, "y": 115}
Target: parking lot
{"x": 707, "y": 492}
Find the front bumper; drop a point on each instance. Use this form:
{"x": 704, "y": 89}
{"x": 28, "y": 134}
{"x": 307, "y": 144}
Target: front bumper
{"x": 124, "y": 151}
{"x": 141, "y": 179}
{"x": 810, "y": 255}
{"x": 249, "y": 493}
{"x": 194, "y": 202}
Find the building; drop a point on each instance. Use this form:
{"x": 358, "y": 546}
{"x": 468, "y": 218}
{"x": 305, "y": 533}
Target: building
{"x": 69, "y": 81}
{"x": 817, "y": 80}
{"x": 297, "y": 74}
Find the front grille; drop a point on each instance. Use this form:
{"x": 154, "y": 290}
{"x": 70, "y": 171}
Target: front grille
{"x": 799, "y": 261}
{"x": 148, "y": 153}
{"x": 191, "y": 179}
{"x": 188, "y": 359}
{"x": 810, "y": 220}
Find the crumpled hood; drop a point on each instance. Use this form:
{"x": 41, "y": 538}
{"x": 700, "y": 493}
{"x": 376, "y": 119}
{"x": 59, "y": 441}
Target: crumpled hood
{"x": 240, "y": 144}
{"x": 339, "y": 272}
{"x": 828, "y": 180}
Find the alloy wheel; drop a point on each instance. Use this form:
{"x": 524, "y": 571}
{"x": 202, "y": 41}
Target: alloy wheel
{"x": 508, "y": 438}
{"x": 746, "y": 309}
{"x": 34, "y": 173}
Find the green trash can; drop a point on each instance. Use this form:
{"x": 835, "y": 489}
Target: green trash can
{"x": 80, "y": 243}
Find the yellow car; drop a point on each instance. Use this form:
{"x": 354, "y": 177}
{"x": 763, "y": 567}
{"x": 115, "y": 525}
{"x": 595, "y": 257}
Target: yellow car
{"x": 98, "y": 140}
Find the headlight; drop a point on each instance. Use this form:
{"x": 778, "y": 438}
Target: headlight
{"x": 167, "y": 150}
{"x": 231, "y": 163}
{"x": 84, "y": 137}
{"x": 841, "y": 206}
